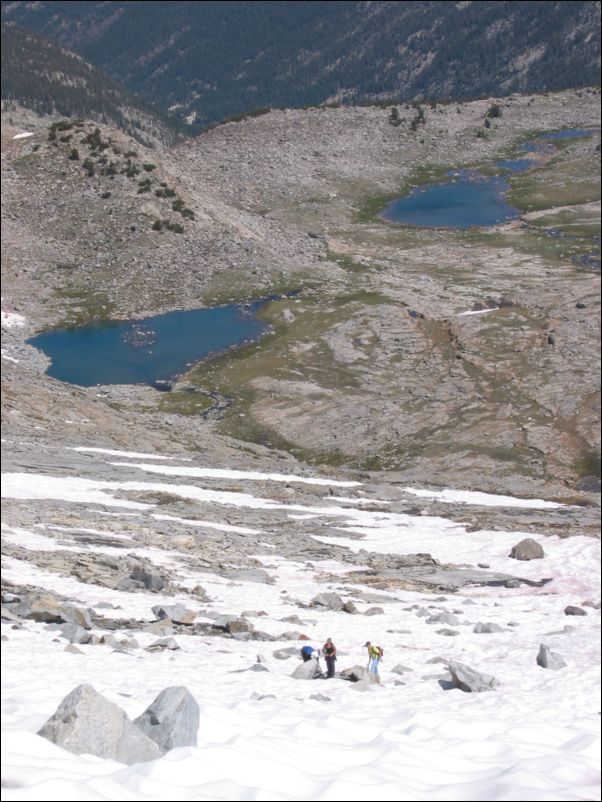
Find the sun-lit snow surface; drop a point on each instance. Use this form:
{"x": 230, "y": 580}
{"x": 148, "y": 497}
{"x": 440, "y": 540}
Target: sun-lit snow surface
{"x": 475, "y": 312}
{"x": 10, "y": 320}
{"x": 535, "y": 738}
{"x": 115, "y": 453}
{"x": 484, "y": 499}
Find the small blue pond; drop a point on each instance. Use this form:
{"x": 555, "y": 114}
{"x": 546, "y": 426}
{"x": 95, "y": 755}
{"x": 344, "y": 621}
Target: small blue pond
{"x": 515, "y": 165}
{"x": 572, "y": 133}
{"x": 470, "y": 200}
{"x": 146, "y": 351}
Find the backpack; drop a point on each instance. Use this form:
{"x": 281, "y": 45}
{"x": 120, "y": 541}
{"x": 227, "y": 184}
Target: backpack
{"x": 380, "y": 650}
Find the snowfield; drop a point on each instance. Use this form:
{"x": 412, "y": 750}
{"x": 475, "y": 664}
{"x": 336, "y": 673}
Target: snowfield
{"x": 262, "y": 736}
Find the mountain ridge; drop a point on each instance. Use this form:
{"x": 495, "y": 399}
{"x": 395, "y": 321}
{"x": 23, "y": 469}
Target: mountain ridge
{"x": 203, "y": 62}
{"x": 49, "y": 79}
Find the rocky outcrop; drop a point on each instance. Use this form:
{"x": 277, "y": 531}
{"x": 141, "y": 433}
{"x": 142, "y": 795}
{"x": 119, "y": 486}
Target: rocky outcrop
{"x": 172, "y": 719}
{"x": 50, "y": 608}
{"x": 174, "y": 612}
{"x": 487, "y": 627}
{"x": 527, "y": 549}
{"x": 86, "y": 722}
{"x": 469, "y": 680}
{"x": 328, "y": 601}
{"x": 546, "y": 658}
{"x": 308, "y": 670}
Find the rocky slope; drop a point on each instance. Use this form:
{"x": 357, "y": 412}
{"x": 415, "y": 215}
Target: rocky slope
{"x": 372, "y": 365}
{"x": 136, "y": 534}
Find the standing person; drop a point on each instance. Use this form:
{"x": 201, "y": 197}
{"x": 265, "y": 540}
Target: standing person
{"x": 329, "y": 650}
{"x": 375, "y": 655}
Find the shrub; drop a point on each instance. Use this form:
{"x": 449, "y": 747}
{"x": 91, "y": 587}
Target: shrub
{"x": 130, "y": 169}
{"x": 110, "y": 169}
{"x": 74, "y": 155}
{"x": 149, "y": 167}
{"x": 495, "y": 110}
{"x": 88, "y": 166}
{"x": 93, "y": 139}
{"x": 394, "y": 117}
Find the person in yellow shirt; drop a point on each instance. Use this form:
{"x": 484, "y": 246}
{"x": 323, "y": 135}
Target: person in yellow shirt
{"x": 375, "y": 655}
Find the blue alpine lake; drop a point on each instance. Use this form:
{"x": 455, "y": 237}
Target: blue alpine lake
{"x": 572, "y": 133}
{"x": 146, "y": 351}
{"x": 515, "y": 165}
{"x": 471, "y": 199}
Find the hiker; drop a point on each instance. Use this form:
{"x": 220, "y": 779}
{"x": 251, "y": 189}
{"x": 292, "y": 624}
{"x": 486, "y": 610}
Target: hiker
{"x": 375, "y": 655}
{"x": 307, "y": 652}
{"x": 329, "y": 650}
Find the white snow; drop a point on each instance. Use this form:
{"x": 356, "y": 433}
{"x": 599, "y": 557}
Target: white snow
{"x": 350, "y": 500}
{"x": 482, "y": 499}
{"x": 534, "y": 738}
{"x": 241, "y": 530}
{"x": 10, "y": 320}
{"x": 246, "y": 476}
{"x": 132, "y": 454}
{"x": 7, "y": 357}
{"x": 72, "y": 488}
{"x": 475, "y": 312}
{"x": 24, "y": 135}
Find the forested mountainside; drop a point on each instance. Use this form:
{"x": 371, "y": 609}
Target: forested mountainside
{"x": 202, "y": 62}
{"x": 41, "y": 75}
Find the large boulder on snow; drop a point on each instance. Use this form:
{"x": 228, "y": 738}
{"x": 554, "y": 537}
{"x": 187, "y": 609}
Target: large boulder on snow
{"x": 86, "y": 722}
{"x": 354, "y": 674}
{"x": 527, "y": 549}
{"x": 148, "y": 576}
{"x": 51, "y": 609}
{"x": 172, "y": 719}
{"x": 329, "y": 601}
{"x": 307, "y": 670}
{"x": 487, "y": 627}
{"x": 469, "y": 680}
{"x": 546, "y": 658}
{"x": 175, "y": 612}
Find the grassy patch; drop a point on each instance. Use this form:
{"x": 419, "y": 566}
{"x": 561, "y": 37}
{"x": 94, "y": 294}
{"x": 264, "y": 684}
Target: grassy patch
{"x": 564, "y": 181}
{"x": 588, "y": 465}
{"x": 185, "y": 402}
{"x": 371, "y": 207}
{"x": 83, "y": 306}
{"x": 346, "y": 262}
